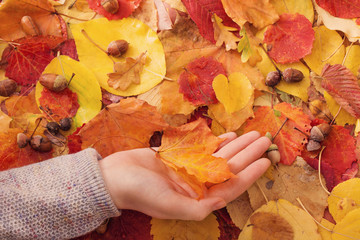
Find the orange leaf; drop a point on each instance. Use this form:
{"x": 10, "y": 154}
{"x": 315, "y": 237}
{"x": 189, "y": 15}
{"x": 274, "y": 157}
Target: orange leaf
{"x": 127, "y": 72}
{"x": 188, "y": 149}
{"x": 126, "y": 125}
{"x": 19, "y": 105}
{"x": 290, "y": 141}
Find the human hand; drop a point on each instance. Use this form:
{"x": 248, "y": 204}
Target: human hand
{"x": 137, "y": 180}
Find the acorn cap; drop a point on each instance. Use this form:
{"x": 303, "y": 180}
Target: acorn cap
{"x": 269, "y": 136}
{"x": 325, "y": 128}
{"x": 272, "y": 147}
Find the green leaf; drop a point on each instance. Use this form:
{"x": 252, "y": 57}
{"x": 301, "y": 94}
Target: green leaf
{"x": 244, "y": 46}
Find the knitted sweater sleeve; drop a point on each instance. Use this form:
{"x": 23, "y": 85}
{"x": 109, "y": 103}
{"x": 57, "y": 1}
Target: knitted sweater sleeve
{"x": 60, "y": 198}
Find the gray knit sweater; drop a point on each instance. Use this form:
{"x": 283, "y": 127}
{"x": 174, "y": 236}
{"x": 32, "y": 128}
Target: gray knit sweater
{"x": 60, "y": 198}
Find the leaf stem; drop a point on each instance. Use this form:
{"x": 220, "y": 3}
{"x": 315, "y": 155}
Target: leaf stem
{"x": 307, "y": 135}
{"x": 282, "y": 125}
{"x": 96, "y": 45}
{"x": 272, "y": 61}
{"x": 319, "y": 171}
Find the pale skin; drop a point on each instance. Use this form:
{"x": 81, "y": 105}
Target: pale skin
{"x": 137, "y": 180}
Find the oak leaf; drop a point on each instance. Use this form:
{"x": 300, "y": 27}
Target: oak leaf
{"x": 223, "y": 34}
{"x": 290, "y": 141}
{"x": 190, "y": 230}
{"x": 280, "y": 220}
{"x": 289, "y": 39}
{"x": 127, "y": 73}
{"x": 41, "y": 11}
{"x": 122, "y": 126}
{"x": 341, "y": 8}
{"x": 342, "y": 84}
{"x": 126, "y": 7}
{"x": 197, "y": 78}
{"x": 244, "y": 46}
{"x": 188, "y": 148}
{"x": 258, "y": 12}
{"x": 201, "y": 12}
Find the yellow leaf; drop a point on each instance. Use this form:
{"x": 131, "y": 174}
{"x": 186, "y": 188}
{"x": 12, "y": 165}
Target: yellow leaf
{"x": 304, "y": 7}
{"x": 352, "y": 60}
{"x": 325, "y": 234}
{"x": 348, "y": 227}
{"x": 280, "y": 220}
{"x": 185, "y": 230}
{"x": 4, "y": 122}
{"x": 298, "y": 89}
{"x": 344, "y": 117}
{"x": 230, "y": 122}
{"x": 344, "y": 198}
{"x": 140, "y": 38}
{"x": 84, "y": 84}
{"x": 240, "y": 210}
{"x": 223, "y": 34}
{"x": 126, "y": 73}
{"x": 234, "y": 93}
{"x": 327, "y": 48}
{"x": 80, "y": 10}
{"x": 258, "y": 12}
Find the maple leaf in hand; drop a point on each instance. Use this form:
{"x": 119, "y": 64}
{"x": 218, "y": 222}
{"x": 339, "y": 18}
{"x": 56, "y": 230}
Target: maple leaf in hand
{"x": 188, "y": 150}
{"x": 127, "y": 73}
{"x": 342, "y": 85}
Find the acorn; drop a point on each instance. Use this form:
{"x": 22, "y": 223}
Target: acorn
{"x": 272, "y": 79}
{"x": 103, "y": 227}
{"x": 7, "y": 87}
{"x": 111, "y": 6}
{"x": 29, "y": 27}
{"x": 313, "y": 145}
{"x": 22, "y": 140}
{"x": 53, "y": 82}
{"x": 117, "y": 48}
{"x": 273, "y": 153}
{"x": 65, "y": 124}
{"x": 292, "y": 75}
{"x": 53, "y": 127}
{"x": 40, "y": 144}
{"x": 319, "y": 132}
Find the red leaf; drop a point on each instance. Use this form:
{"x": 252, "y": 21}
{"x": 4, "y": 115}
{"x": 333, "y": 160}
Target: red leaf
{"x": 12, "y": 156}
{"x": 337, "y": 157}
{"x": 74, "y": 141}
{"x": 131, "y": 225}
{"x": 196, "y": 80}
{"x": 289, "y": 39}
{"x": 29, "y": 57}
{"x": 59, "y": 104}
{"x": 126, "y": 7}
{"x": 201, "y": 12}
{"x": 341, "y": 8}
{"x": 68, "y": 48}
{"x": 289, "y": 141}
{"x": 228, "y": 230}
{"x": 342, "y": 85}
{"x": 201, "y": 112}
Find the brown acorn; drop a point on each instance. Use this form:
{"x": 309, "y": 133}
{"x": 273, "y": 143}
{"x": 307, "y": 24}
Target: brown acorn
{"x": 319, "y": 132}
{"x": 40, "y": 144}
{"x": 29, "y": 26}
{"x": 272, "y": 79}
{"x": 22, "y": 140}
{"x": 7, "y": 87}
{"x": 117, "y": 48}
{"x": 292, "y": 75}
{"x": 273, "y": 154}
{"x": 313, "y": 145}
{"x": 111, "y": 6}
{"x": 53, "y": 82}
{"x": 53, "y": 127}
{"x": 65, "y": 124}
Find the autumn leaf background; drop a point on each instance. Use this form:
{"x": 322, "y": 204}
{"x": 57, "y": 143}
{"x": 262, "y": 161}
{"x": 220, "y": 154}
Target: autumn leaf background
{"x": 195, "y": 69}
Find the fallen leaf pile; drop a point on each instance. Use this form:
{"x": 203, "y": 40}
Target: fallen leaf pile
{"x": 192, "y": 70}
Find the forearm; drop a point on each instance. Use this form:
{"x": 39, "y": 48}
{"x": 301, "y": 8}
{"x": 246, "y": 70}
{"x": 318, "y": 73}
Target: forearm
{"x": 60, "y": 198}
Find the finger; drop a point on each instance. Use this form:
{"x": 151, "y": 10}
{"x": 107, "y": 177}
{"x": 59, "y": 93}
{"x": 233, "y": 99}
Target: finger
{"x": 230, "y": 136}
{"x": 232, "y": 148}
{"x": 233, "y": 188}
{"x": 251, "y": 153}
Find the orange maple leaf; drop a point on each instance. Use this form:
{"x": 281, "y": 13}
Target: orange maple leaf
{"x": 126, "y": 125}
{"x": 188, "y": 150}
{"x": 290, "y": 141}
{"x": 127, "y": 73}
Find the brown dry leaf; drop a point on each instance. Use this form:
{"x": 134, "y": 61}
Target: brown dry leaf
{"x": 147, "y": 13}
{"x": 240, "y": 210}
{"x": 189, "y": 230}
{"x": 122, "y": 126}
{"x": 290, "y": 182}
{"x": 233, "y": 121}
{"x": 258, "y": 12}
{"x": 127, "y": 73}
